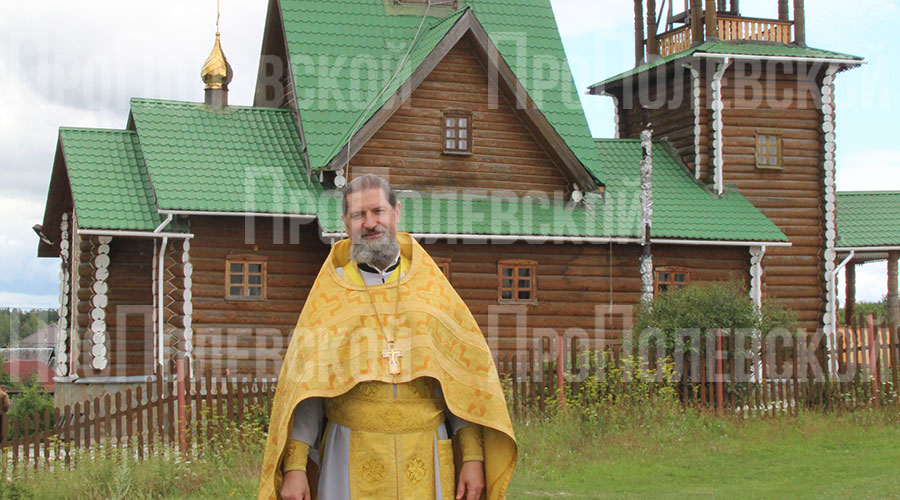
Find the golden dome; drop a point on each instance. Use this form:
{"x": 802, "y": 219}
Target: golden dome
{"x": 216, "y": 72}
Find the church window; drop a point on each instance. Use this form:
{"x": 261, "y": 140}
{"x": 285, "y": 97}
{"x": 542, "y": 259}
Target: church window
{"x": 517, "y": 281}
{"x": 457, "y": 132}
{"x": 768, "y": 149}
{"x": 671, "y": 278}
{"x": 245, "y": 278}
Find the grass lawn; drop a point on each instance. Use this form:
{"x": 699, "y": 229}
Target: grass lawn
{"x": 639, "y": 452}
{"x": 813, "y": 456}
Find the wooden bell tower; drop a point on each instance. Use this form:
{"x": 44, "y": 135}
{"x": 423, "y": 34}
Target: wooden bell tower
{"x": 751, "y": 110}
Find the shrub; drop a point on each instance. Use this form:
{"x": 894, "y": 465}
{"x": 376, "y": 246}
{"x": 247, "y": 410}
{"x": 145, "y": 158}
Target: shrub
{"x": 706, "y": 307}
{"x": 35, "y": 399}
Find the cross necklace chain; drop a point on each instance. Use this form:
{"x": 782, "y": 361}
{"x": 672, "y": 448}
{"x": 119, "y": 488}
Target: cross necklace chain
{"x": 391, "y": 352}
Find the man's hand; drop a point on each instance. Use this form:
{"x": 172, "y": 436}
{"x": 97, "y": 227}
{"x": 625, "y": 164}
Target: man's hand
{"x": 471, "y": 481}
{"x": 296, "y": 486}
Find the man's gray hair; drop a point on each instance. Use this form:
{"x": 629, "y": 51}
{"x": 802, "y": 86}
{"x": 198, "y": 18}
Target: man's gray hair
{"x": 368, "y": 181}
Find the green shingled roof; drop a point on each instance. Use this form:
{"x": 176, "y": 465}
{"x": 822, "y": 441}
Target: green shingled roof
{"x": 741, "y": 47}
{"x": 236, "y": 159}
{"x": 335, "y": 44}
{"x": 868, "y": 219}
{"x": 109, "y": 181}
{"x": 682, "y": 208}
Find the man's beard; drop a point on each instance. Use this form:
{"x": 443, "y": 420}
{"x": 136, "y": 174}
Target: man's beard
{"x": 379, "y": 252}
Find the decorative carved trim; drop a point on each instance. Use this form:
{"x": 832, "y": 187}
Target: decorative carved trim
{"x": 718, "y": 127}
{"x": 99, "y": 301}
{"x": 178, "y": 303}
{"x": 646, "y": 278}
{"x": 617, "y": 116}
{"x": 756, "y": 274}
{"x": 828, "y": 126}
{"x": 65, "y": 291}
{"x": 695, "y": 93}
{"x": 156, "y": 304}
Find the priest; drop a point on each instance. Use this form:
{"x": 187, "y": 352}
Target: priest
{"x": 385, "y": 370}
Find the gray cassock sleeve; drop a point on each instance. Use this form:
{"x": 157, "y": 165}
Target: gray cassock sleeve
{"x": 309, "y": 417}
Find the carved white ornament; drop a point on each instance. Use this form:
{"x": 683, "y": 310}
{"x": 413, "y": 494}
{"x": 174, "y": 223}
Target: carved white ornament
{"x": 828, "y": 126}
{"x": 62, "y": 358}
{"x": 718, "y": 125}
{"x": 695, "y": 94}
{"x": 646, "y": 278}
{"x": 99, "y": 301}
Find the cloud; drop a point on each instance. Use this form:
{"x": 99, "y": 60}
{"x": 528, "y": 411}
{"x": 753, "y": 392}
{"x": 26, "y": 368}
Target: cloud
{"x": 25, "y": 280}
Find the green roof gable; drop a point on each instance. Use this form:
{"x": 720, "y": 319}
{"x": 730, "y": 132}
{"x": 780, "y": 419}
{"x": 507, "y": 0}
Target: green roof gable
{"x": 738, "y": 47}
{"x": 343, "y": 52}
{"x": 109, "y": 181}
{"x": 868, "y": 219}
{"x": 236, "y": 159}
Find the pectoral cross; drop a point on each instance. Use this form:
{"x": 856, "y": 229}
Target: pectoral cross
{"x": 392, "y": 354}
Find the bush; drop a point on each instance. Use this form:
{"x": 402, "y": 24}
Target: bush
{"x": 706, "y": 307}
{"x": 35, "y": 399}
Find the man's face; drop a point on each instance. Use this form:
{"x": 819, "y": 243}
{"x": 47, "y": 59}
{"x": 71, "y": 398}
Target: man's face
{"x": 370, "y": 217}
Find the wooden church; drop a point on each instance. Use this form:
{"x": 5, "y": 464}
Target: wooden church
{"x": 197, "y": 230}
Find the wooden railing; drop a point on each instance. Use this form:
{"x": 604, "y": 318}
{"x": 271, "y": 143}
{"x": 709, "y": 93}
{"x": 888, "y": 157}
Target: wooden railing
{"x": 730, "y": 28}
{"x": 748, "y": 28}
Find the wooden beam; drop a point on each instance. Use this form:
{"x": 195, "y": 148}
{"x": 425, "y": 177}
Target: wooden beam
{"x": 712, "y": 20}
{"x": 893, "y": 302}
{"x": 850, "y": 289}
{"x": 638, "y": 32}
{"x": 736, "y": 7}
{"x": 783, "y": 11}
{"x": 652, "y": 28}
{"x": 799, "y": 23}
{"x": 696, "y": 26}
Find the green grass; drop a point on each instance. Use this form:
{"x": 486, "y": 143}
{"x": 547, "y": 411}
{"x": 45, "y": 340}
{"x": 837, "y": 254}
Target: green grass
{"x": 691, "y": 455}
{"x": 627, "y": 449}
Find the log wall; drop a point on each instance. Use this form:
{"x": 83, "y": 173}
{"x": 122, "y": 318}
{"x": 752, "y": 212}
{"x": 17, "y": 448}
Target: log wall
{"x": 793, "y": 197}
{"x": 755, "y": 96}
{"x": 574, "y": 291}
{"x": 407, "y": 149}
{"x": 129, "y": 313}
{"x": 249, "y": 337}
{"x": 671, "y": 114}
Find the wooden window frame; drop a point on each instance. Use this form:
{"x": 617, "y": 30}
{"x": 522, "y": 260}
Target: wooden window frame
{"x": 779, "y": 144}
{"x": 443, "y": 264}
{"x": 246, "y": 260}
{"x": 516, "y": 264}
{"x": 456, "y": 114}
{"x": 672, "y": 270}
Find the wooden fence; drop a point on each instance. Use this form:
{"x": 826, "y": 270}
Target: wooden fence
{"x": 855, "y": 367}
{"x": 140, "y": 422}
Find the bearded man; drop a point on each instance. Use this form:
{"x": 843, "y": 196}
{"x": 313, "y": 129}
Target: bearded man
{"x": 386, "y": 368}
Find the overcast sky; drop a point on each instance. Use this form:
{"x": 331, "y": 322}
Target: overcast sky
{"x": 65, "y": 63}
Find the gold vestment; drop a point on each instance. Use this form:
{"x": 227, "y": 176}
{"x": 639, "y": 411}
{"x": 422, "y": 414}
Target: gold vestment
{"x": 337, "y": 349}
